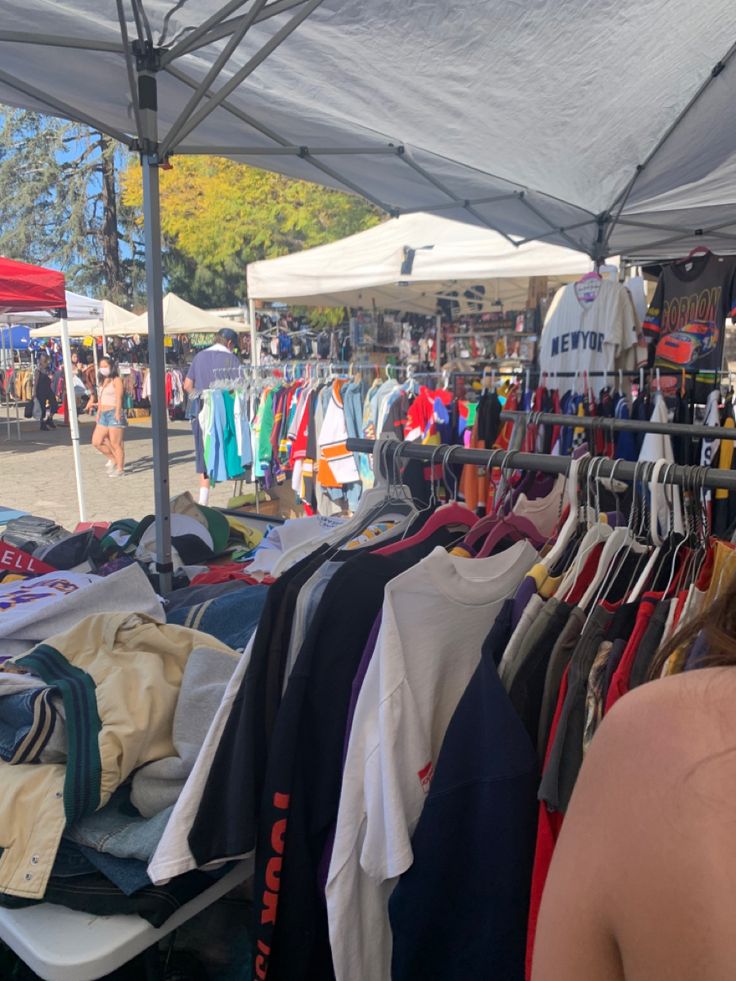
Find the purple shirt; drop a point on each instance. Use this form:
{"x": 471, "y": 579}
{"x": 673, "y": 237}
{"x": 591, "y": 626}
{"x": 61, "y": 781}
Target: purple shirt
{"x": 212, "y": 363}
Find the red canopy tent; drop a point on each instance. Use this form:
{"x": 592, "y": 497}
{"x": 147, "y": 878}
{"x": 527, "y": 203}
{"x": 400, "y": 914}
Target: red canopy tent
{"x": 26, "y": 287}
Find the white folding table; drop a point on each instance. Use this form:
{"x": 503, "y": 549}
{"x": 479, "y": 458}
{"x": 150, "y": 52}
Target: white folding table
{"x": 60, "y": 944}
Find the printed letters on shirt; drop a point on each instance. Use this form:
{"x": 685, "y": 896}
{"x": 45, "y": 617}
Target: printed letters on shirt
{"x": 585, "y": 340}
{"x": 32, "y": 592}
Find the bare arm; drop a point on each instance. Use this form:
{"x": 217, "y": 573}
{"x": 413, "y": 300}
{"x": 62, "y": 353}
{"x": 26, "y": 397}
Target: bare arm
{"x": 188, "y": 385}
{"x": 119, "y": 393}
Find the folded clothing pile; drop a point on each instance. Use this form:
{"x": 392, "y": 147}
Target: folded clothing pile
{"x": 30, "y": 532}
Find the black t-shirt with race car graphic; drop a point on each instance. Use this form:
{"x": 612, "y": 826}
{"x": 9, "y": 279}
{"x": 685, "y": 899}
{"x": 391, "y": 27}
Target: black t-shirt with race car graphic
{"x": 685, "y": 322}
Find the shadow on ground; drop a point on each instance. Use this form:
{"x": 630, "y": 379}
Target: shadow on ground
{"x": 32, "y": 439}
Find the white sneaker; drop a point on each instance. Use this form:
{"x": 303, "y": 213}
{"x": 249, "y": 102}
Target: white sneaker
{"x": 117, "y": 473}
{"x": 110, "y": 466}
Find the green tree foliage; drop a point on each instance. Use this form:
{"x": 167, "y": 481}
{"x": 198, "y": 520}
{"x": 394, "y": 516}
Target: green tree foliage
{"x": 59, "y": 204}
{"x": 217, "y": 215}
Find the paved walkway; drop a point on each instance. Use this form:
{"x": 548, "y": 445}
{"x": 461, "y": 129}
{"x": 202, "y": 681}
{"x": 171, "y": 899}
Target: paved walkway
{"x": 37, "y": 473}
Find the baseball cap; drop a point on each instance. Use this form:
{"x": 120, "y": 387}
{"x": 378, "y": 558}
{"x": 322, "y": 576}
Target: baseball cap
{"x": 229, "y": 335}
{"x": 218, "y": 528}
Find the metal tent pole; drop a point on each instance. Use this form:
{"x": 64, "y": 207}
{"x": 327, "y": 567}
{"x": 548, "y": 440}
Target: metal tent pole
{"x": 95, "y": 357}
{"x": 254, "y": 352}
{"x": 147, "y": 97}
{"x": 71, "y": 407}
{"x": 157, "y": 367}
{"x": 438, "y": 343}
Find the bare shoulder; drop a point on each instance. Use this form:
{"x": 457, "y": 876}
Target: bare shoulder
{"x": 649, "y": 828}
{"x": 659, "y": 780}
{"x": 672, "y": 721}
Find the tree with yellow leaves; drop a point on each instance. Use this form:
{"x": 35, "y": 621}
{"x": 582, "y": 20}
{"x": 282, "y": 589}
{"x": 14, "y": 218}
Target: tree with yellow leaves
{"x": 218, "y": 215}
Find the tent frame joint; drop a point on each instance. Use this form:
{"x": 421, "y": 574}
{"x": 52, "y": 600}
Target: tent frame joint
{"x": 147, "y": 56}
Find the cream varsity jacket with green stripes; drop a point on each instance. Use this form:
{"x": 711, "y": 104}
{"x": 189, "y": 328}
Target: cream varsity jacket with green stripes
{"x": 119, "y": 677}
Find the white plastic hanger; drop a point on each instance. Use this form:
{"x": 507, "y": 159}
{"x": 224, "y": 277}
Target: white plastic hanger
{"x": 570, "y": 526}
{"x": 657, "y": 540}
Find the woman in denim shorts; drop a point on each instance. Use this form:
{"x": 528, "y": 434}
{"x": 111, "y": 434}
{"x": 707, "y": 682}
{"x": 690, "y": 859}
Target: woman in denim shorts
{"x": 111, "y": 422}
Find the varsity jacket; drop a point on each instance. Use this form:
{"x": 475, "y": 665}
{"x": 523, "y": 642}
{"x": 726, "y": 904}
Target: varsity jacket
{"x": 336, "y": 463}
{"x": 119, "y": 677}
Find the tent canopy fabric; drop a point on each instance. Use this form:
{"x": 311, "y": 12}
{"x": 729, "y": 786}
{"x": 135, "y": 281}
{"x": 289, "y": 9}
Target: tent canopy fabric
{"x": 424, "y": 106}
{"x": 109, "y": 318}
{"x": 408, "y": 263}
{"x": 180, "y": 317}
{"x": 23, "y": 287}
{"x": 78, "y": 307}
{"x": 16, "y": 337}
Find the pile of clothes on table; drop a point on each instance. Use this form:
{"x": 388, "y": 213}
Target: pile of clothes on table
{"x": 108, "y": 695}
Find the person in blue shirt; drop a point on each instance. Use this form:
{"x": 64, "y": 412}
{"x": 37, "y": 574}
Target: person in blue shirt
{"x": 216, "y": 361}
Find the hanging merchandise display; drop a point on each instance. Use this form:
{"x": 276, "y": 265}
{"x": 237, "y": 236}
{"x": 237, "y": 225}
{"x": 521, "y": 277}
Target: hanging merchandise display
{"x": 685, "y": 322}
{"x": 591, "y": 326}
{"x": 378, "y": 695}
{"x": 366, "y": 800}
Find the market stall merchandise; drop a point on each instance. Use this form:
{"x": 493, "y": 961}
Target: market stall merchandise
{"x": 614, "y": 198}
{"x": 411, "y": 262}
{"x": 169, "y": 77}
{"x": 287, "y": 646}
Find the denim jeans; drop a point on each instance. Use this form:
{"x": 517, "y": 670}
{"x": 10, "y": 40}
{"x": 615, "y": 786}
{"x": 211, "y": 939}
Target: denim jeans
{"x": 27, "y": 721}
{"x": 119, "y": 830}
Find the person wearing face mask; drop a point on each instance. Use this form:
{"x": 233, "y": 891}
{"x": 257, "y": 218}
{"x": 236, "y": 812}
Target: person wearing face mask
{"x": 111, "y": 422}
{"x": 44, "y": 393}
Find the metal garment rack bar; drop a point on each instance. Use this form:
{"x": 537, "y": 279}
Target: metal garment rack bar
{"x": 603, "y": 424}
{"x": 549, "y": 376}
{"x": 543, "y": 463}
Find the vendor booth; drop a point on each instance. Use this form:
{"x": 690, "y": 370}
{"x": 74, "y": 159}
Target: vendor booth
{"x": 408, "y": 263}
{"x": 389, "y": 714}
{"x": 180, "y": 317}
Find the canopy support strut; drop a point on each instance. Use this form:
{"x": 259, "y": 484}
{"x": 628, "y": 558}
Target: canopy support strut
{"x": 621, "y": 200}
{"x": 71, "y": 408}
{"x": 148, "y": 136}
{"x": 187, "y": 125}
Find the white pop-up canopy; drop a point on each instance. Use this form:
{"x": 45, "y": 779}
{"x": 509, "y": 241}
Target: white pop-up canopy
{"x": 78, "y": 307}
{"x": 180, "y": 317}
{"x": 418, "y": 105}
{"x": 409, "y": 263}
{"x": 530, "y": 119}
{"x": 105, "y": 321}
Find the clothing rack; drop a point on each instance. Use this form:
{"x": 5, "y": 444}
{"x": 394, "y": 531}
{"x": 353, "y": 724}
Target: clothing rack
{"x": 605, "y": 424}
{"x": 443, "y": 454}
{"x": 613, "y": 374}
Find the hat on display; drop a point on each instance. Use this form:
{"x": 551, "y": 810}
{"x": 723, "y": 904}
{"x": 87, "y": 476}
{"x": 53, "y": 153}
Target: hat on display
{"x": 191, "y": 539}
{"x": 218, "y": 527}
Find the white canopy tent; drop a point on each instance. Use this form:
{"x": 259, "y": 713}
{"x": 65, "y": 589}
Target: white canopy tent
{"x": 78, "y": 308}
{"x": 409, "y": 263}
{"x": 99, "y": 324}
{"x": 180, "y": 317}
{"x": 418, "y": 106}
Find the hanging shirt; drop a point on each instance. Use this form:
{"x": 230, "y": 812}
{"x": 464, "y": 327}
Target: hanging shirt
{"x": 685, "y": 322}
{"x": 460, "y": 911}
{"x": 336, "y": 462}
{"x": 586, "y": 336}
{"x": 434, "y": 620}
